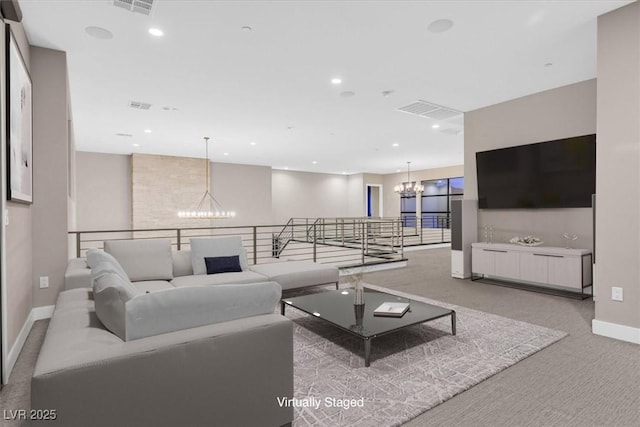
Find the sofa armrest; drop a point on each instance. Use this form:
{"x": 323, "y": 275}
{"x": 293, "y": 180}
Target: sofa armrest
{"x": 196, "y": 377}
{"x": 77, "y": 275}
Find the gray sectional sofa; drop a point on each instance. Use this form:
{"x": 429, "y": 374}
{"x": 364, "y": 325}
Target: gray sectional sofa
{"x": 152, "y": 265}
{"x": 144, "y": 337}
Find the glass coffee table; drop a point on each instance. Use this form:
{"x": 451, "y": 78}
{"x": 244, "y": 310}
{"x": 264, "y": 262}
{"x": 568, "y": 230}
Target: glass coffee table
{"x": 337, "y": 308}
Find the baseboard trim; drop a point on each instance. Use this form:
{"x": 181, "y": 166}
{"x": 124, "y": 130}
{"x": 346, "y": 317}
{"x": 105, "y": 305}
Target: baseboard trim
{"x": 37, "y": 313}
{"x": 40, "y": 313}
{"x": 426, "y": 247}
{"x": 12, "y": 357}
{"x": 613, "y": 330}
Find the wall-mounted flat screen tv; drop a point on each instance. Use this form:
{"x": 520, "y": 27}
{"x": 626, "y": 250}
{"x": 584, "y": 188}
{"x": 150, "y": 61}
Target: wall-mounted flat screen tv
{"x": 552, "y": 174}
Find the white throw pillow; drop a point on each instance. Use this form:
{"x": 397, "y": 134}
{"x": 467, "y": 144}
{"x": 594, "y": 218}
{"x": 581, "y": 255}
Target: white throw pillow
{"x": 206, "y": 247}
{"x": 111, "y": 293}
{"x": 143, "y": 259}
{"x": 98, "y": 256}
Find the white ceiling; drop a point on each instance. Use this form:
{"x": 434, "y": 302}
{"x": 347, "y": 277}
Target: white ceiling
{"x": 272, "y": 85}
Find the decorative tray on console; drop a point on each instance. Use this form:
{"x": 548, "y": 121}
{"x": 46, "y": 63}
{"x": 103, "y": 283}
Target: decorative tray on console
{"x": 526, "y": 241}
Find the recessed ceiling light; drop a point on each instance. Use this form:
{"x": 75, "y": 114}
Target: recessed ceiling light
{"x": 395, "y": 144}
{"x": 436, "y": 126}
{"x": 156, "y": 32}
{"x": 225, "y": 154}
{"x": 286, "y": 168}
{"x": 99, "y": 33}
{"x": 336, "y": 80}
{"x": 136, "y": 145}
{"x": 344, "y": 173}
{"x": 347, "y": 94}
{"x": 252, "y": 143}
{"x": 398, "y": 170}
{"x": 147, "y": 131}
{"x": 246, "y": 29}
{"x": 440, "y": 25}
{"x": 314, "y": 162}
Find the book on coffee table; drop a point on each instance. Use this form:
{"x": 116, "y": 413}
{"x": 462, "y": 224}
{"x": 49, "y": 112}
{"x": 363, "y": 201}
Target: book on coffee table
{"x": 391, "y": 309}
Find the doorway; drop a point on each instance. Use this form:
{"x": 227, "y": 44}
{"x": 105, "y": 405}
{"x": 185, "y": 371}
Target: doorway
{"x": 373, "y": 206}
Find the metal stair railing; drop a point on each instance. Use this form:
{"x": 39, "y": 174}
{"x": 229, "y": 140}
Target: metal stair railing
{"x": 280, "y": 241}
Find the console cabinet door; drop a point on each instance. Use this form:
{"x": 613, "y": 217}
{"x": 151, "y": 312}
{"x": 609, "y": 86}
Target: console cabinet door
{"x": 507, "y": 264}
{"x": 533, "y": 268}
{"x": 565, "y": 271}
{"x": 482, "y": 262}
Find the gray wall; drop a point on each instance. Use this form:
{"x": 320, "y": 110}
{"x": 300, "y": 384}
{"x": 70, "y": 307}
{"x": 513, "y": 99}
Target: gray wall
{"x": 258, "y": 194}
{"x": 103, "y": 191}
{"x": 51, "y": 166}
{"x": 305, "y": 195}
{"x": 618, "y": 166}
{"x": 558, "y": 113}
{"x": 245, "y": 189}
{"x": 18, "y": 234}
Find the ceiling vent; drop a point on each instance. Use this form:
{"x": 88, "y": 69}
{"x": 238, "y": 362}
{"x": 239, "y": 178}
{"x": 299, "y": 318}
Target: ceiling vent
{"x": 127, "y": 135}
{"x": 429, "y": 110}
{"x": 139, "y": 105}
{"x": 139, "y": 6}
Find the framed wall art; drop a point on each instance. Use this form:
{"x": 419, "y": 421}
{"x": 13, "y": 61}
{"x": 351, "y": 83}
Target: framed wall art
{"x": 19, "y": 124}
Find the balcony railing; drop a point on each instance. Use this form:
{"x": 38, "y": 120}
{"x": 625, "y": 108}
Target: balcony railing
{"x": 344, "y": 242}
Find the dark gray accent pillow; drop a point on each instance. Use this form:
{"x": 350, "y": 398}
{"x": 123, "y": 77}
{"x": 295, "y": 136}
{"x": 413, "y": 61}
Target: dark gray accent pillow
{"x": 223, "y": 264}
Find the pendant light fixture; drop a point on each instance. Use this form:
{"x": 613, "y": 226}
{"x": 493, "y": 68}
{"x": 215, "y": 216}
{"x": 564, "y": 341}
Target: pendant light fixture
{"x": 408, "y": 187}
{"x": 208, "y": 207}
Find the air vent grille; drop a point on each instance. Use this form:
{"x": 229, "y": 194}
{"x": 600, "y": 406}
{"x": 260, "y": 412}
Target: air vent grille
{"x": 429, "y": 110}
{"x": 127, "y": 135}
{"x": 139, "y": 6}
{"x": 139, "y": 105}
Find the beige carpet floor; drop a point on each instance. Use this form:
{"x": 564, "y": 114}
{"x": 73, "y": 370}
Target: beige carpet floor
{"x": 582, "y": 380}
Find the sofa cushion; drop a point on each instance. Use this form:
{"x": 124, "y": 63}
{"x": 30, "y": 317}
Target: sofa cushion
{"x": 204, "y": 247}
{"x": 143, "y": 259}
{"x": 218, "y": 279}
{"x": 222, "y": 264}
{"x": 298, "y": 274}
{"x": 189, "y": 307}
{"x": 182, "y": 263}
{"x": 98, "y": 256}
{"x": 152, "y": 285}
{"x": 111, "y": 294}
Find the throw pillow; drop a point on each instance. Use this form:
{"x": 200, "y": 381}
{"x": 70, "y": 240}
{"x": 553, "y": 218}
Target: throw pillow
{"x": 111, "y": 294}
{"x": 223, "y": 264}
{"x": 208, "y": 247}
{"x": 143, "y": 259}
{"x": 98, "y": 256}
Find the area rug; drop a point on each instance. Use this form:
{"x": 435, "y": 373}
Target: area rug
{"x": 411, "y": 370}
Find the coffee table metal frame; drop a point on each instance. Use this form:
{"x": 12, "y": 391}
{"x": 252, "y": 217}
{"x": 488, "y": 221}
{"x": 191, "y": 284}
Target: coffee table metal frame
{"x": 367, "y": 338}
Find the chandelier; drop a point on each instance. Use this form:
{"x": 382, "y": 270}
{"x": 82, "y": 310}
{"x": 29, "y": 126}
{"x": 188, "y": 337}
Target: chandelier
{"x": 408, "y": 187}
{"x": 208, "y": 207}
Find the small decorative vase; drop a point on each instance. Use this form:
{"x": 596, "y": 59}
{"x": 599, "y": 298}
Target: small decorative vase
{"x": 359, "y": 294}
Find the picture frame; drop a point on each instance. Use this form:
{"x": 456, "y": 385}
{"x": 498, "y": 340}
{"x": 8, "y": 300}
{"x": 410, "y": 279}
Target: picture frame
{"x": 19, "y": 119}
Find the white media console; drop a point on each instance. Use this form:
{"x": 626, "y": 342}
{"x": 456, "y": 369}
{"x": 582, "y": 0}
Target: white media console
{"x": 545, "y": 266}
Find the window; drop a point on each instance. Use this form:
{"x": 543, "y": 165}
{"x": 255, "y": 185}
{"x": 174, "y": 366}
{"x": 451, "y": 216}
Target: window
{"x": 436, "y": 201}
{"x": 408, "y": 209}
